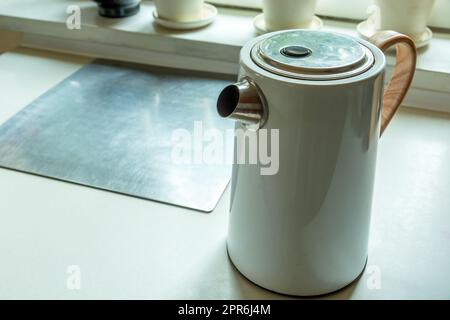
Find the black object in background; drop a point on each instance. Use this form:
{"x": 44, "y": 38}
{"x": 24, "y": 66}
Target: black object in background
{"x": 118, "y": 8}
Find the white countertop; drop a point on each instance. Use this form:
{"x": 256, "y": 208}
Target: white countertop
{"x": 132, "y": 248}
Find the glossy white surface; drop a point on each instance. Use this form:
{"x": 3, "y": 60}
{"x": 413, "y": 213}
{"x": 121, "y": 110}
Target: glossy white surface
{"x": 130, "y": 248}
{"x": 305, "y": 230}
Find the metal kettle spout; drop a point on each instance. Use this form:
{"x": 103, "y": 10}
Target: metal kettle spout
{"x": 243, "y": 102}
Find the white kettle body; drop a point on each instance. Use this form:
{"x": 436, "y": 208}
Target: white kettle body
{"x": 304, "y": 230}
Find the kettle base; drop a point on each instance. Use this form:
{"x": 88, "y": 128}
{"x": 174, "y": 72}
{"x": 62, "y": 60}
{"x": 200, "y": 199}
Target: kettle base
{"x": 316, "y": 295}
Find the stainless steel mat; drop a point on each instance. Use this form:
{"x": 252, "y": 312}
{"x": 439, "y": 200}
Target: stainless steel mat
{"x": 110, "y": 126}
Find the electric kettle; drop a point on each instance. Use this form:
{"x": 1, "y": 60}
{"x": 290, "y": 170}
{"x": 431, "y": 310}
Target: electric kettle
{"x": 304, "y": 230}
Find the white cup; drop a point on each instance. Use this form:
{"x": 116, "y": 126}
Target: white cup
{"x": 288, "y": 14}
{"x": 405, "y": 16}
{"x": 179, "y": 10}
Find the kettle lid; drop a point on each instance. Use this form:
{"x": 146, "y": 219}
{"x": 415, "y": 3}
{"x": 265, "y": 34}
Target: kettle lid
{"x": 312, "y": 55}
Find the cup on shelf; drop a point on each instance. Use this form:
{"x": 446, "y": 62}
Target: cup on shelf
{"x": 288, "y": 14}
{"x": 405, "y": 16}
{"x": 179, "y": 10}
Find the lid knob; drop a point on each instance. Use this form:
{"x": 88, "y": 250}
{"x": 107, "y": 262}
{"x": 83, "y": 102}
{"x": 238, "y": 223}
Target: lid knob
{"x": 296, "y": 51}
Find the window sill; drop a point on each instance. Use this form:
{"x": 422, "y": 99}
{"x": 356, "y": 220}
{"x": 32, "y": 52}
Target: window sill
{"x": 212, "y": 49}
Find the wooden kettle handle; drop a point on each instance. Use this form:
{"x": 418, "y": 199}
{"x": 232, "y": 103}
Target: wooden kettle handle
{"x": 403, "y": 72}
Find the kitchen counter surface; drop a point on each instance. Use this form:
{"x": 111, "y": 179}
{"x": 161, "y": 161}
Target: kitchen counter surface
{"x": 131, "y": 248}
